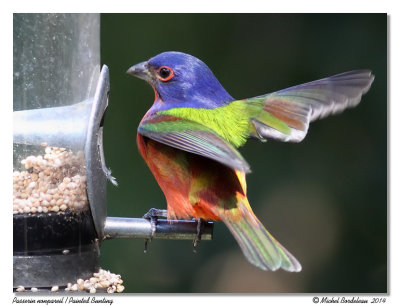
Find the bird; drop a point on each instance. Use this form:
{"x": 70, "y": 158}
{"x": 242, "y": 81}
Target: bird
{"x": 189, "y": 139}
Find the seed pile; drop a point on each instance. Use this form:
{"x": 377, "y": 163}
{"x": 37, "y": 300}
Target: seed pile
{"x": 103, "y": 279}
{"x": 53, "y": 182}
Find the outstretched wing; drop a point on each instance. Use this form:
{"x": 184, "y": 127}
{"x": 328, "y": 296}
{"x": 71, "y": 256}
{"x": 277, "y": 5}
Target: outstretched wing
{"x": 299, "y": 105}
{"x": 192, "y": 137}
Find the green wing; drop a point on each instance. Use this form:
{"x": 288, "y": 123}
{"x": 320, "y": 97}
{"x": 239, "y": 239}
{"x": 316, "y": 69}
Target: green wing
{"x": 192, "y": 137}
{"x": 297, "y": 106}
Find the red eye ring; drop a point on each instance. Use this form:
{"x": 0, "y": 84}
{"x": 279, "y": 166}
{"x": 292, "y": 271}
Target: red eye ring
{"x": 165, "y": 73}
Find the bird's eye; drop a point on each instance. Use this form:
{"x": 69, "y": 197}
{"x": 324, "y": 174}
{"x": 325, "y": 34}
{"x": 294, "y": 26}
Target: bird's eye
{"x": 165, "y": 73}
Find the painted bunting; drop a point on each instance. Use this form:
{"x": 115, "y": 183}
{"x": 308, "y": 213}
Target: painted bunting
{"x": 190, "y": 137}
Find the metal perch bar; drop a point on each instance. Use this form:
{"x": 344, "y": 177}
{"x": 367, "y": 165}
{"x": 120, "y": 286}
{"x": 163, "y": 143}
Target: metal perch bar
{"x": 116, "y": 227}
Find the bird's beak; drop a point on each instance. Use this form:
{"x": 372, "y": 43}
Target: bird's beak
{"x": 140, "y": 71}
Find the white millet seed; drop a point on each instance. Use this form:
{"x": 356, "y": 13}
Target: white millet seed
{"x": 87, "y": 285}
{"x": 111, "y": 289}
{"x": 54, "y": 289}
{"x": 104, "y": 283}
{"x": 93, "y": 280}
{"x": 33, "y": 289}
{"x": 55, "y": 208}
{"x": 20, "y": 288}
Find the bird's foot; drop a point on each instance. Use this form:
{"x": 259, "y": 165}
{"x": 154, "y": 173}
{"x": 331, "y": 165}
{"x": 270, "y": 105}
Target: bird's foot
{"x": 200, "y": 226}
{"x": 153, "y": 214}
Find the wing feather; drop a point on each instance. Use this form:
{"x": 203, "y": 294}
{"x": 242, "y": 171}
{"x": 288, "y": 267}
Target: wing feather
{"x": 299, "y": 105}
{"x": 192, "y": 137}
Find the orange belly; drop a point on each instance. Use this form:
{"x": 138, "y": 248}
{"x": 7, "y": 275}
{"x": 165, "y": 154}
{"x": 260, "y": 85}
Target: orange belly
{"x": 193, "y": 186}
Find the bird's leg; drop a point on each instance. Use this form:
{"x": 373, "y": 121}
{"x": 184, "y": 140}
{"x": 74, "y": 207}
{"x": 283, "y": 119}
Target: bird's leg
{"x": 153, "y": 214}
{"x": 200, "y": 226}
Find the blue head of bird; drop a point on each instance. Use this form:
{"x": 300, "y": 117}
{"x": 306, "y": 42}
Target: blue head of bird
{"x": 181, "y": 80}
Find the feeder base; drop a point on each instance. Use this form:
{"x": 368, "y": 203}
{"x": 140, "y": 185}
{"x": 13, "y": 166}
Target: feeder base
{"x": 55, "y": 270}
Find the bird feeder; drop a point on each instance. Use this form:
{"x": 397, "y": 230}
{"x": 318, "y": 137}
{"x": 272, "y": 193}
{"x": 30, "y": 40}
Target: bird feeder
{"x": 60, "y": 176}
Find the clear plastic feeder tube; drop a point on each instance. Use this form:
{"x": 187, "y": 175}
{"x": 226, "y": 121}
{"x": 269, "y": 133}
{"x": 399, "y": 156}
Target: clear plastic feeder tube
{"x": 56, "y": 59}
{"x": 56, "y": 69}
{"x": 56, "y": 73}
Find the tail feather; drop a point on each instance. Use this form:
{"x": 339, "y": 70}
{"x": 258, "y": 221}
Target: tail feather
{"x": 258, "y": 245}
